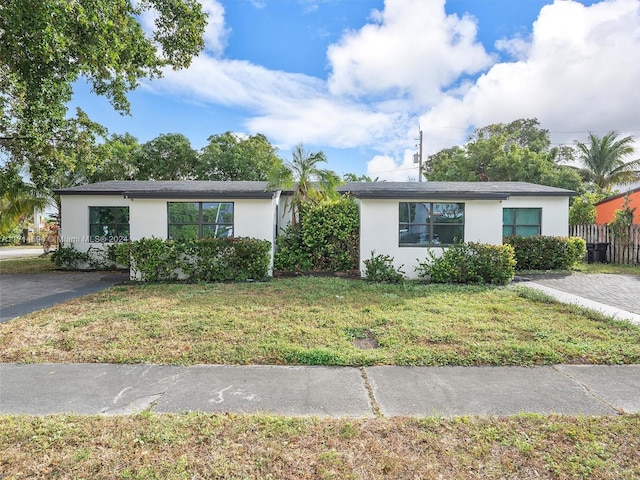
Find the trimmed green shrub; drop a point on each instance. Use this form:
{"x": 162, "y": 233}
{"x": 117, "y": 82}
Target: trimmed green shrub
{"x": 546, "y": 252}
{"x": 470, "y": 263}
{"x": 379, "y": 268}
{"x": 326, "y": 239}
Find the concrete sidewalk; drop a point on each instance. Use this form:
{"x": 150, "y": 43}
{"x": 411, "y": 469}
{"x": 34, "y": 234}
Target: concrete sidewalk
{"x": 40, "y": 389}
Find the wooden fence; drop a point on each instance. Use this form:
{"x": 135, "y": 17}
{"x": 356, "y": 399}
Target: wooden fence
{"x": 625, "y": 251}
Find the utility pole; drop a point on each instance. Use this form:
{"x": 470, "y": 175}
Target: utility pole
{"x": 417, "y": 158}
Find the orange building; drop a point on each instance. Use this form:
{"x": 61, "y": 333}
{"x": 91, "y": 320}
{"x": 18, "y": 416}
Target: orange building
{"x": 605, "y": 209}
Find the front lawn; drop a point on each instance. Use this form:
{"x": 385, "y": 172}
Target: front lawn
{"x": 29, "y": 264}
{"x": 196, "y": 445}
{"x": 318, "y": 321}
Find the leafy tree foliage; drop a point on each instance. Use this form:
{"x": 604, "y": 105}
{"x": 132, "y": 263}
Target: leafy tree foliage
{"x": 116, "y": 159}
{"x": 46, "y": 45}
{"x": 604, "y": 161}
{"x": 518, "y": 151}
{"x": 583, "y": 210}
{"x": 308, "y": 181}
{"x": 231, "y": 157}
{"x": 166, "y": 157}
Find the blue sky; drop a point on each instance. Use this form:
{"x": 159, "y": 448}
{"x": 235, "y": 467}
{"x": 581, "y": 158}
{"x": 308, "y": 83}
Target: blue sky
{"x": 358, "y": 78}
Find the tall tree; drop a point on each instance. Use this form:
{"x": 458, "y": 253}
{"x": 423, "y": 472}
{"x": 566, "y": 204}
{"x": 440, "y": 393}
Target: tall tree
{"x": 166, "y": 157}
{"x": 231, "y": 157}
{"x": 604, "y": 161}
{"x": 116, "y": 159}
{"x": 48, "y": 45}
{"x": 305, "y": 178}
{"x": 518, "y": 151}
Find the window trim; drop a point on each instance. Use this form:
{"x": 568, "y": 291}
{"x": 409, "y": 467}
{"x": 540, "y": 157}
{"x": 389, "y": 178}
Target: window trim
{"x": 116, "y": 236}
{"x": 515, "y": 224}
{"x": 431, "y": 224}
{"x": 200, "y": 223}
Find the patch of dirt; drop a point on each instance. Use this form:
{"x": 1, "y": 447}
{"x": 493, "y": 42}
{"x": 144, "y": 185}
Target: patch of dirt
{"x": 368, "y": 343}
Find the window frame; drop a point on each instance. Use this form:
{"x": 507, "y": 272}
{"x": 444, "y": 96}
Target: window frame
{"x": 432, "y": 222}
{"x": 514, "y": 226}
{"x": 111, "y": 237}
{"x": 201, "y": 224}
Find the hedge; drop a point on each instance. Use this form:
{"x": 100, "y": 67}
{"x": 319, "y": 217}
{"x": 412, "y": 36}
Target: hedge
{"x": 547, "y": 252}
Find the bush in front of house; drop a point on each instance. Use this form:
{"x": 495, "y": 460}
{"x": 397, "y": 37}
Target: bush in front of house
{"x": 326, "y": 239}
{"x": 470, "y": 263}
{"x": 547, "y": 252}
{"x": 379, "y": 268}
{"x": 206, "y": 260}
{"x": 155, "y": 259}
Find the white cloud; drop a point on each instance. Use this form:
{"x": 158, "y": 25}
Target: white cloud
{"x": 580, "y": 72}
{"x": 412, "y": 48}
{"x": 215, "y": 33}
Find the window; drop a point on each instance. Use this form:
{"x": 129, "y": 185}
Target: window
{"x": 192, "y": 220}
{"x": 109, "y": 224}
{"x": 523, "y": 222}
{"x": 431, "y": 223}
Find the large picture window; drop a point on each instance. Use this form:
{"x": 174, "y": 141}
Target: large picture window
{"x": 193, "y": 220}
{"x": 522, "y": 222}
{"x": 109, "y": 224}
{"x": 431, "y": 223}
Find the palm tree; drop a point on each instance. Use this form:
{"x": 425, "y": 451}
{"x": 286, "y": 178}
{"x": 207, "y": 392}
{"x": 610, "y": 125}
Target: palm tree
{"x": 303, "y": 175}
{"x": 18, "y": 202}
{"x": 604, "y": 163}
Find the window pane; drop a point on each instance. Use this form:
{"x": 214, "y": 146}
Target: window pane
{"x": 508, "y": 216}
{"x": 528, "y": 216}
{"x": 217, "y": 213}
{"x": 184, "y": 212}
{"x": 102, "y": 233}
{"x": 448, "y": 234}
{"x": 102, "y": 215}
{"x": 527, "y": 231}
{"x": 507, "y": 230}
{"x": 217, "y": 231}
{"x": 123, "y": 231}
{"x": 183, "y": 232}
{"x": 414, "y": 234}
{"x": 122, "y": 214}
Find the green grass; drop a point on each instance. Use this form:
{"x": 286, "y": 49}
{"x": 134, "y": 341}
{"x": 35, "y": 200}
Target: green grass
{"x": 317, "y": 321}
{"x": 197, "y": 445}
{"x": 607, "y": 268}
{"x": 29, "y": 264}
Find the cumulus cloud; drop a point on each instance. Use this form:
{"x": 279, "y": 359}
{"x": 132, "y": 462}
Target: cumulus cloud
{"x": 411, "y": 48}
{"x": 579, "y": 72}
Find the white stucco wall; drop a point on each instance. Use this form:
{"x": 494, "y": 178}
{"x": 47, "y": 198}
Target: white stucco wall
{"x": 148, "y": 217}
{"x": 75, "y": 217}
{"x": 379, "y": 221}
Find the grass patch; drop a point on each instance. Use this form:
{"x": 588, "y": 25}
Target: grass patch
{"x": 318, "y": 321}
{"x": 28, "y": 264}
{"x": 607, "y": 268}
{"x": 200, "y": 445}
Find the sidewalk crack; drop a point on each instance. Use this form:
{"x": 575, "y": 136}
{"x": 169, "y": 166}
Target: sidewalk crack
{"x": 586, "y": 388}
{"x": 375, "y": 407}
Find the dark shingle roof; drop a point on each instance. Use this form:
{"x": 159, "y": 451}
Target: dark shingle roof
{"x": 228, "y": 190}
{"x": 172, "y": 189}
{"x": 451, "y": 190}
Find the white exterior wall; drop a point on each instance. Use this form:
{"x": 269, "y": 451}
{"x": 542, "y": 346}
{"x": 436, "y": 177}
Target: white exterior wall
{"x": 555, "y": 212}
{"x": 148, "y": 217}
{"x": 75, "y": 217}
{"x": 379, "y": 222}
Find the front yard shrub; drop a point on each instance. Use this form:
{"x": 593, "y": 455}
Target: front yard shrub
{"x": 546, "y": 252}
{"x": 470, "y": 263}
{"x": 326, "y": 239}
{"x": 208, "y": 260}
{"x": 95, "y": 258}
{"x": 379, "y": 268}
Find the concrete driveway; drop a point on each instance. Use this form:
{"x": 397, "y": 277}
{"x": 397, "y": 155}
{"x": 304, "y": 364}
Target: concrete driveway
{"x": 25, "y": 293}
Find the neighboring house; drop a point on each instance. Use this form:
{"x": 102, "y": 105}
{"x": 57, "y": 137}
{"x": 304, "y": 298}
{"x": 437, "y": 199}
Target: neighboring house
{"x": 605, "y": 209}
{"x": 400, "y": 219}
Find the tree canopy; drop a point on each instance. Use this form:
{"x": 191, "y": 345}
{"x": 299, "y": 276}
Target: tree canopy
{"x": 518, "y": 151}
{"x": 47, "y": 45}
{"x": 231, "y": 157}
